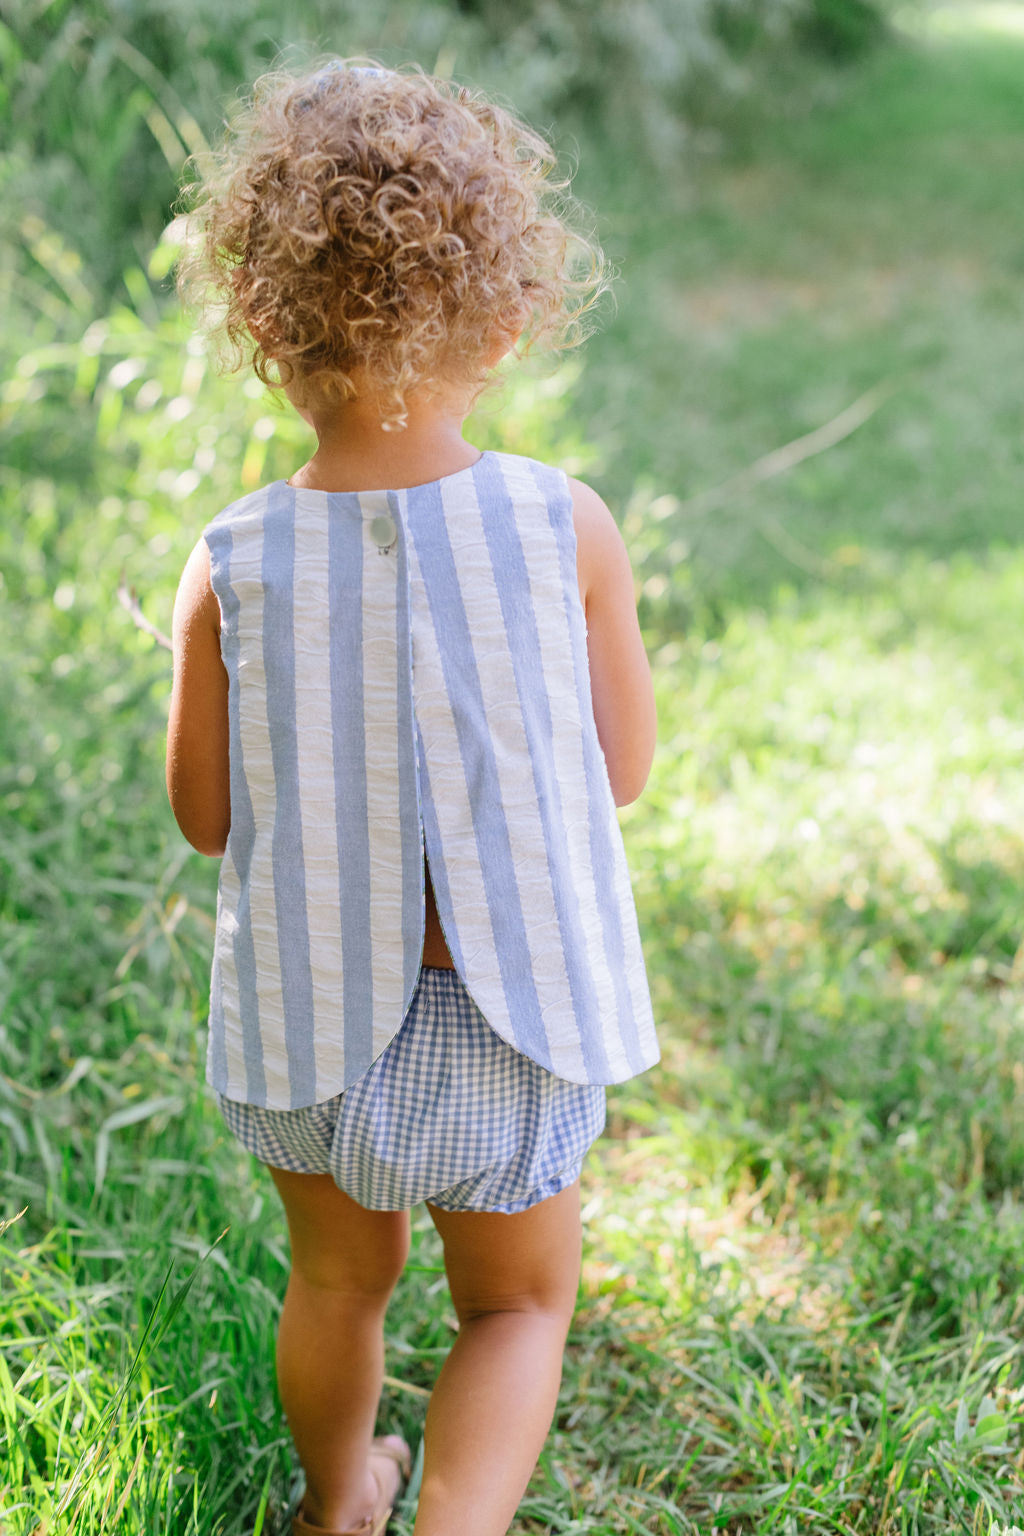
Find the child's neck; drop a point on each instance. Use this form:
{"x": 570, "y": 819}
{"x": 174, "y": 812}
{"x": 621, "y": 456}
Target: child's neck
{"x": 354, "y": 452}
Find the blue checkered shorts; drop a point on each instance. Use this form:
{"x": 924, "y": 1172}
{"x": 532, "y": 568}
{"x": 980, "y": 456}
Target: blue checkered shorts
{"x": 448, "y": 1113}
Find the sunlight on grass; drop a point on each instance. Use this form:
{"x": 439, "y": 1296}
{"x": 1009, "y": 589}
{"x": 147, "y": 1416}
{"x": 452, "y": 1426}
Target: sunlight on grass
{"x": 995, "y": 18}
{"x": 651, "y": 1231}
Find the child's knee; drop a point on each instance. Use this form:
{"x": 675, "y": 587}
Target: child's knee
{"x": 368, "y": 1272}
{"x": 525, "y": 1263}
{"x": 371, "y": 1291}
{"x": 554, "y": 1304}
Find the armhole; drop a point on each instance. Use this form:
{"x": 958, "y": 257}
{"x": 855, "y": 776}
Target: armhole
{"x": 213, "y": 552}
{"x": 553, "y": 486}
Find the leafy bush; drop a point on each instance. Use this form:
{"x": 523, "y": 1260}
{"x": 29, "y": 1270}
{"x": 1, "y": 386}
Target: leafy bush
{"x": 105, "y": 99}
{"x": 840, "y": 28}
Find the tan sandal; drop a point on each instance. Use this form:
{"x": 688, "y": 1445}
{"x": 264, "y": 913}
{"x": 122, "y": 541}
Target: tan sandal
{"x": 393, "y": 1467}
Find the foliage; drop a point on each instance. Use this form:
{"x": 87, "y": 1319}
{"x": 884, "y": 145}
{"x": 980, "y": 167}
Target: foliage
{"x": 105, "y": 99}
{"x": 840, "y": 28}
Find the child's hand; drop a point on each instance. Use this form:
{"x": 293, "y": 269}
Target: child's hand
{"x": 620, "y": 675}
{"x": 197, "y": 737}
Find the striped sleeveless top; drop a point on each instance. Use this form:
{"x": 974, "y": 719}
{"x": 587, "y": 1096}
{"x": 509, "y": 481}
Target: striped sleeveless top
{"x": 407, "y": 676}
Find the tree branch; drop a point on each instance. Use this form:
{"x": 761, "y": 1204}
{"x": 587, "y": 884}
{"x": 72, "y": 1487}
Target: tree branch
{"x": 790, "y": 454}
{"x": 126, "y": 597}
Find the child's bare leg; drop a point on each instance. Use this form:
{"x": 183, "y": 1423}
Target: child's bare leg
{"x": 330, "y": 1344}
{"x": 514, "y": 1280}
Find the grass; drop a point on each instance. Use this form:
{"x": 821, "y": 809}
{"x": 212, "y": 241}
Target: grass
{"x": 803, "y": 261}
{"x": 800, "y": 1310}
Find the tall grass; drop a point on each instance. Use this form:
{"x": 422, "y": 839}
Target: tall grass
{"x": 104, "y": 101}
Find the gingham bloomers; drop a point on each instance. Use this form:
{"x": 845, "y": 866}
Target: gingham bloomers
{"x": 407, "y": 671}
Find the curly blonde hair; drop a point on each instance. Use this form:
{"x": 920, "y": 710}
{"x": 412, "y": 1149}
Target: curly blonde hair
{"x": 384, "y": 224}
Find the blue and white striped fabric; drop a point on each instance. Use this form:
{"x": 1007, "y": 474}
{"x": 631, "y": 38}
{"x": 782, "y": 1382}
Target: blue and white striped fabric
{"x": 449, "y": 1113}
{"x": 408, "y": 669}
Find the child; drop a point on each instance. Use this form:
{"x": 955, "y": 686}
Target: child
{"x": 409, "y": 690}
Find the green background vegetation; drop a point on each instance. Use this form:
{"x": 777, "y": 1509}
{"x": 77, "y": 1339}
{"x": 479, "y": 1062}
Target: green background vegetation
{"x": 801, "y": 1304}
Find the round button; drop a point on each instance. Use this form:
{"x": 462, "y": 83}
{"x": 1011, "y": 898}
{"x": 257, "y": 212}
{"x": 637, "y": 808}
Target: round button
{"x": 383, "y": 531}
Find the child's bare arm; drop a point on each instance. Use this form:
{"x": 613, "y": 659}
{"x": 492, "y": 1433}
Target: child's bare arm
{"x": 620, "y": 676}
{"x": 197, "y": 737}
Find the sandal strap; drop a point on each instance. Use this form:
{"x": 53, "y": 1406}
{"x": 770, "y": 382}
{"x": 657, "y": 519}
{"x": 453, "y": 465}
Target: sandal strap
{"x": 401, "y": 1458}
{"x": 303, "y": 1527}
{"x": 371, "y": 1526}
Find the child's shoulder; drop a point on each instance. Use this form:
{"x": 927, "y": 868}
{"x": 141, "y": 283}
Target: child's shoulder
{"x": 588, "y": 509}
{"x": 552, "y": 478}
{"x": 572, "y": 504}
{"x": 533, "y": 475}
{"x": 249, "y": 505}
